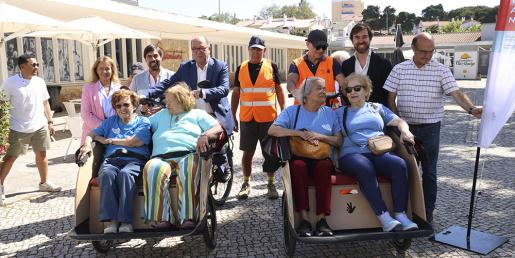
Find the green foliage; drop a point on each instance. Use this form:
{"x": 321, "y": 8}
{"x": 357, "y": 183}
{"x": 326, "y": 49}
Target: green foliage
{"x": 434, "y": 12}
{"x": 301, "y": 11}
{"x": 482, "y": 14}
{"x": 433, "y": 29}
{"x": 407, "y": 21}
{"x": 223, "y": 17}
{"x": 372, "y": 17}
{"x": 388, "y": 17}
{"x": 5, "y": 106}
{"x": 456, "y": 26}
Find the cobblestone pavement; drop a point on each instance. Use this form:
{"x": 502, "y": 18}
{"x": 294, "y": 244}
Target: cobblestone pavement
{"x": 35, "y": 224}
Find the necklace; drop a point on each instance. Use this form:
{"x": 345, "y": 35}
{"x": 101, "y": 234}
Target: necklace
{"x": 174, "y": 118}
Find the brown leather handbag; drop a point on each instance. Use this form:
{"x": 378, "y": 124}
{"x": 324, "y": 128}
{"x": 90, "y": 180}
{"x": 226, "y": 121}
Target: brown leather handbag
{"x": 304, "y": 149}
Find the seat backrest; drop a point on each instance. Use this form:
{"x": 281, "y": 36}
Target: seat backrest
{"x": 75, "y": 126}
{"x": 70, "y": 109}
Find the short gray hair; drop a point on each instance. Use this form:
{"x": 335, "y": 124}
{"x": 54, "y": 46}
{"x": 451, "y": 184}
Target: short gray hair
{"x": 307, "y": 86}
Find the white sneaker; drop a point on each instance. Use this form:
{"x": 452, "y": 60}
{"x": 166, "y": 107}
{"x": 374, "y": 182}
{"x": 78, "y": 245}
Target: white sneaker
{"x": 111, "y": 228}
{"x": 388, "y": 222}
{"x": 406, "y": 223}
{"x": 2, "y": 195}
{"x": 126, "y": 227}
{"x": 49, "y": 187}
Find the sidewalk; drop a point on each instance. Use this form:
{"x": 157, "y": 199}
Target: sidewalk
{"x": 34, "y": 224}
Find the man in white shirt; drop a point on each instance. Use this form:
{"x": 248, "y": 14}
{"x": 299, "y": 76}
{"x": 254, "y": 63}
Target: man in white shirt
{"x": 155, "y": 74}
{"x": 30, "y": 121}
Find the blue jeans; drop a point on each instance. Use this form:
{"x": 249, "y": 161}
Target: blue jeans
{"x": 429, "y": 135}
{"x": 365, "y": 167}
{"x": 118, "y": 188}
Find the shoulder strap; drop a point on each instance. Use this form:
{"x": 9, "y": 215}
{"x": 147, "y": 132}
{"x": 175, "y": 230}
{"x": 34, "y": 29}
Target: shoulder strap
{"x": 345, "y": 109}
{"x": 296, "y": 116}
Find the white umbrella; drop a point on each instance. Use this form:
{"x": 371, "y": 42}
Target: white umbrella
{"x": 95, "y": 31}
{"x": 19, "y": 22}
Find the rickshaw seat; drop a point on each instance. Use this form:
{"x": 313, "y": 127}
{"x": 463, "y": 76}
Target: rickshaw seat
{"x": 338, "y": 178}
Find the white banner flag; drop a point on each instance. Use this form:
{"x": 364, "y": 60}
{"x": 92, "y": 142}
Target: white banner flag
{"x": 499, "y": 100}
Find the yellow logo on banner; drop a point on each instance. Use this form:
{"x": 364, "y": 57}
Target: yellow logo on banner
{"x": 465, "y": 56}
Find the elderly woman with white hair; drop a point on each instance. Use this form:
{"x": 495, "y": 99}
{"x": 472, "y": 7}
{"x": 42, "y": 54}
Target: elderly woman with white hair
{"x": 315, "y": 123}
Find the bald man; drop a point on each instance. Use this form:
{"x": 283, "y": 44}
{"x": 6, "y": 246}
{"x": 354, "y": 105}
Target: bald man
{"x": 423, "y": 108}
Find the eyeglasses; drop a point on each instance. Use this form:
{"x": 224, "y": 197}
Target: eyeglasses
{"x": 35, "y": 65}
{"x": 425, "y": 52}
{"x": 323, "y": 47}
{"x": 356, "y": 88}
{"x": 202, "y": 49}
{"x": 125, "y": 105}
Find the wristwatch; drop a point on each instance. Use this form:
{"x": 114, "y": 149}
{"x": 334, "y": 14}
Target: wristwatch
{"x": 471, "y": 109}
{"x": 50, "y": 122}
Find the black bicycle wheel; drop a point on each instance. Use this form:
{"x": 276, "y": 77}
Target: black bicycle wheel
{"x": 210, "y": 226}
{"x": 221, "y": 190}
{"x": 289, "y": 239}
{"x": 102, "y": 246}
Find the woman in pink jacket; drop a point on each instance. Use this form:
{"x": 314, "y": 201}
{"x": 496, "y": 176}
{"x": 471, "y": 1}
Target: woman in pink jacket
{"x": 96, "y": 95}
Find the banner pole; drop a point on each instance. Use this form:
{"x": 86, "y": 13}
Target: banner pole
{"x": 473, "y": 195}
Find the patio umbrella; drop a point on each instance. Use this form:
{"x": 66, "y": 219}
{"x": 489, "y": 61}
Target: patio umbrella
{"x": 19, "y": 22}
{"x": 95, "y": 32}
{"x": 398, "y": 56}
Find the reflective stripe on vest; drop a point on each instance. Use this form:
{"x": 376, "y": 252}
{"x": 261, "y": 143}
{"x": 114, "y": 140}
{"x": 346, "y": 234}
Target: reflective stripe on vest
{"x": 324, "y": 71}
{"x": 257, "y": 100}
{"x": 257, "y": 103}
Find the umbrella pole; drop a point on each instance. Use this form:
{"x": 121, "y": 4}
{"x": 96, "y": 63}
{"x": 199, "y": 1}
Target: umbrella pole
{"x": 469, "y": 239}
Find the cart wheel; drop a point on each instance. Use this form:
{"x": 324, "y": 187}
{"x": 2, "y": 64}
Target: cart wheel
{"x": 289, "y": 239}
{"x": 221, "y": 190}
{"x": 102, "y": 246}
{"x": 210, "y": 226}
{"x": 401, "y": 245}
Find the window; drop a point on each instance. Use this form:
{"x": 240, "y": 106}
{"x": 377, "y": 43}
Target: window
{"x": 64, "y": 66}
{"x": 11, "y": 53}
{"x": 128, "y": 47}
{"x": 29, "y": 46}
{"x": 47, "y": 51}
{"x": 118, "y": 53}
{"x": 77, "y": 61}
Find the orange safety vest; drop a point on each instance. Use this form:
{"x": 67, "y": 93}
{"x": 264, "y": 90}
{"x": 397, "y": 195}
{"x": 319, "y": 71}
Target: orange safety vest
{"x": 324, "y": 71}
{"x": 257, "y": 101}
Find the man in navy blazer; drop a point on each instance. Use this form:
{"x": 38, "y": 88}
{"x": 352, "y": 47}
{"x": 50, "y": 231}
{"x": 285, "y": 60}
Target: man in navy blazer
{"x": 202, "y": 67}
{"x": 369, "y": 63}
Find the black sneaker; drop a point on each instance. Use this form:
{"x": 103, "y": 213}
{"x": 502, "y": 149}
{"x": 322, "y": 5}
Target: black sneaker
{"x": 429, "y": 218}
{"x": 304, "y": 229}
{"x": 323, "y": 228}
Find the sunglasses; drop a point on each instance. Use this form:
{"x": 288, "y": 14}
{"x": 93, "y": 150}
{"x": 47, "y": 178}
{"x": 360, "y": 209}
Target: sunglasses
{"x": 323, "y": 47}
{"x": 356, "y": 88}
{"x": 35, "y": 65}
{"x": 119, "y": 106}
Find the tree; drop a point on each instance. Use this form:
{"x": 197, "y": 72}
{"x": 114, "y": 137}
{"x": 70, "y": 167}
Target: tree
{"x": 223, "y": 17}
{"x": 372, "y": 17}
{"x": 482, "y": 14}
{"x": 301, "y": 11}
{"x": 433, "y": 12}
{"x": 273, "y": 11}
{"x": 407, "y": 21}
{"x": 433, "y": 29}
{"x": 388, "y": 17}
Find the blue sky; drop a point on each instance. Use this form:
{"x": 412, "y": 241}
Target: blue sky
{"x": 248, "y": 8}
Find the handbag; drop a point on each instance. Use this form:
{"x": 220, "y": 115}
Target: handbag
{"x": 378, "y": 145}
{"x": 304, "y": 149}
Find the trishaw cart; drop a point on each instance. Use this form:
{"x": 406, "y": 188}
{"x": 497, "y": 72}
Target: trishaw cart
{"x": 88, "y": 228}
{"x": 352, "y": 219}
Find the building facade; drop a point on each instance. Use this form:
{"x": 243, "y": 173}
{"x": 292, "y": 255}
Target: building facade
{"x": 346, "y": 9}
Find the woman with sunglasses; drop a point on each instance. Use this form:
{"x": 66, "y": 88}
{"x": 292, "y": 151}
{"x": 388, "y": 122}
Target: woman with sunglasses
{"x": 314, "y": 122}
{"x": 364, "y": 120}
{"x": 126, "y": 137}
{"x": 96, "y": 95}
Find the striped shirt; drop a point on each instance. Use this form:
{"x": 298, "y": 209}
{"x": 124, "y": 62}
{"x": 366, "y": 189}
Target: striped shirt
{"x": 420, "y": 90}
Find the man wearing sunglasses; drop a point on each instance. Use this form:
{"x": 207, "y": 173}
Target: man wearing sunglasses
{"x": 419, "y": 86}
{"x": 367, "y": 62}
{"x": 30, "y": 121}
{"x": 315, "y": 63}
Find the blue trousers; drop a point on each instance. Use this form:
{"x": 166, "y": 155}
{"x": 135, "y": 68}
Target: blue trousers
{"x": 365, "y": 167}
{"x": 429, "y": 134}
{"x": 118, "y": 188}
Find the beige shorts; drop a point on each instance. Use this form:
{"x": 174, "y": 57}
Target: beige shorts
{"x": 19, "y": 142}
